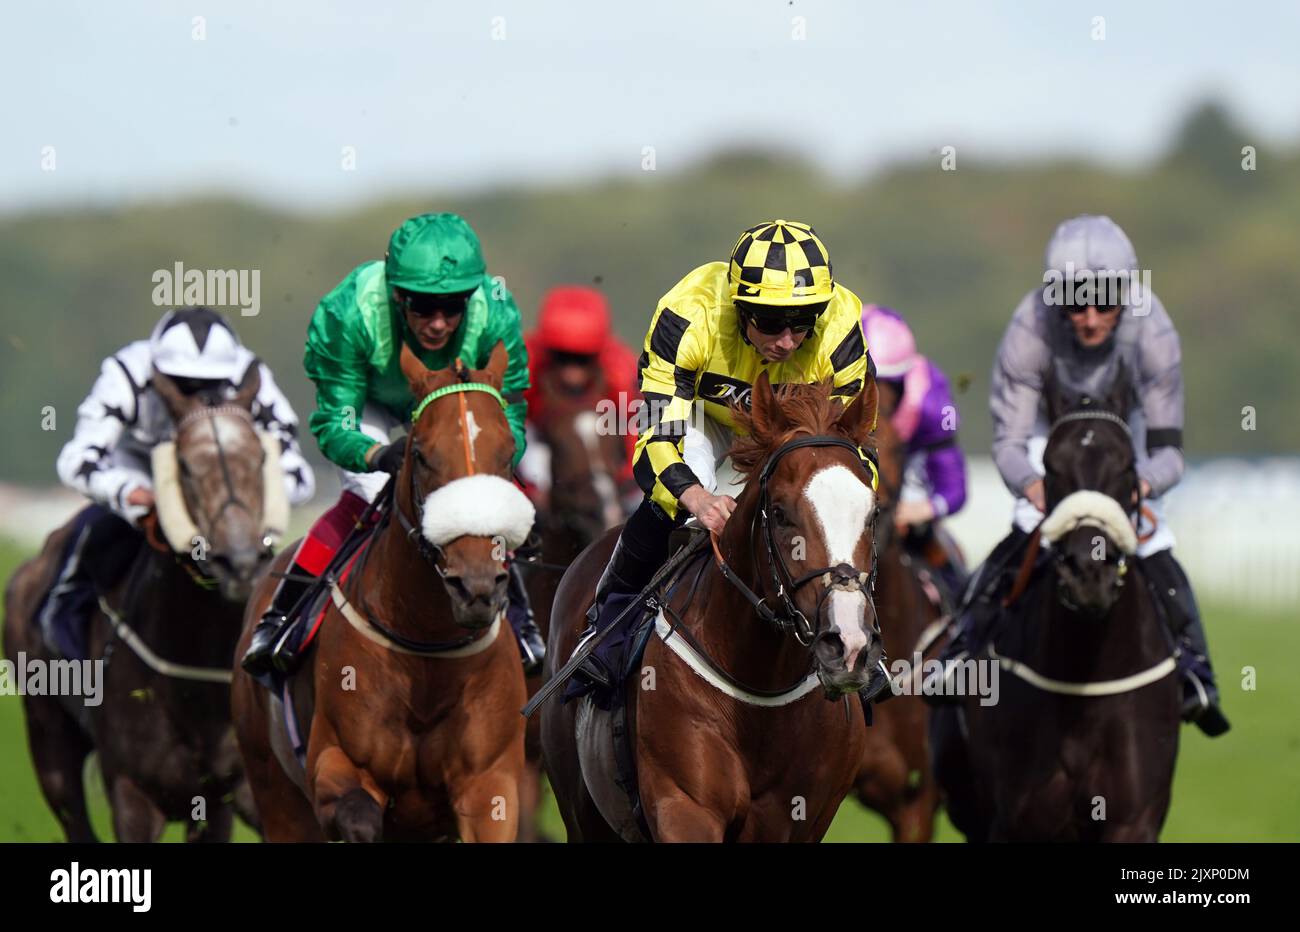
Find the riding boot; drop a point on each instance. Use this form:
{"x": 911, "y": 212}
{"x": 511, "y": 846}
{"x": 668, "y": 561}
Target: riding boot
{"x": 614, "y": 592}
{"x": 640, "y": 551}
{"x": 1200, "y": 694}
{"x": 980, "y": 606}
{"x": 101, "y": 549}
{"x": 261, "y": 653}
{"x": 519, "y": 612}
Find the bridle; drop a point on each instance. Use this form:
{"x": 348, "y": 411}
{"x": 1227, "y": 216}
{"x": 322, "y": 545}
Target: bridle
{"x": 786, "y": 615}
{"x": 232, "y": 499}
{"x": 196, "y": 569}
{"x": 431, "y": 552}
{"x": 1058, "y": 554}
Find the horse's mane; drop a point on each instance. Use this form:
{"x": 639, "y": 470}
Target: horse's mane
{"x": 806, "y": 408}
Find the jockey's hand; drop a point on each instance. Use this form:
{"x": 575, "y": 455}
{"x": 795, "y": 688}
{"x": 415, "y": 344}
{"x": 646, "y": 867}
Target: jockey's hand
{"x": 140, "y": 498}
{"x": 388, "y": 457}
{"x": 712, "y": 511}
{"x": 1037, "y": 497}
{"x": 912, "y": 512}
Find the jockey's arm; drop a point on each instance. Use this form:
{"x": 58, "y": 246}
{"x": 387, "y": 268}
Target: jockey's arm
{"x": 945, "y": 464}
{"x": 86, "y": 462}
{"x": 276, "y": 416}
{"x": 508, "y": 327}
{"x": 1014, "y": 393}
{"x": 1160, "y": 389}
{"x": 675, "y": 350}
{"x": 336, "y": 363}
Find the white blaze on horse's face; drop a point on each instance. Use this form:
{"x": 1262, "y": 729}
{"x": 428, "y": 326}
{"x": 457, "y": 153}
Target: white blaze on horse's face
{"x": 472, "y": 431}
{"x": 842, "y": 504}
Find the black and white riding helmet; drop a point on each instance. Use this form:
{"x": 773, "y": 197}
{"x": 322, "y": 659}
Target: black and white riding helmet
{"x": 196, "y": 344}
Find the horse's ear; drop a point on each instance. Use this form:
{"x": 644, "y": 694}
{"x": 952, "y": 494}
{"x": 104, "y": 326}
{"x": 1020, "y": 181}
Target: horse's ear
{"x": 177, "y": 402}
{"x": 766, "y": 410}
{"x": 415, "y": 371}
{"x": 859, "y": 419}
{"x": 249, "y": 386}
{"x": 497, "y": 363}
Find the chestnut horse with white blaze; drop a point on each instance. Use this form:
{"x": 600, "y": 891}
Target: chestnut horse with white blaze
{"x": 413, "y": 686}
{"x": 736, "y": 740}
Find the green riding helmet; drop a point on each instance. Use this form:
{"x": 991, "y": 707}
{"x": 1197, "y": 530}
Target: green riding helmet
{"x": 435, "y": 254}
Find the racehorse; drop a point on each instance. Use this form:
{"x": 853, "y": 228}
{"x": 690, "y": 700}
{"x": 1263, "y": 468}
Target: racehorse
{"x": 732, "y": 738}
{"x": 412, "y": 687}
{"x": 1081, "y": 741}
{"x": 582, "y": 502}
{"x": 166, "y": 634}
{"x": 896, "y": 779}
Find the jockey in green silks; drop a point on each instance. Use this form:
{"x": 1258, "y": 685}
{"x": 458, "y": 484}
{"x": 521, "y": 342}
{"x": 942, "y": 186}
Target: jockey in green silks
{"x": 432, "y": 292}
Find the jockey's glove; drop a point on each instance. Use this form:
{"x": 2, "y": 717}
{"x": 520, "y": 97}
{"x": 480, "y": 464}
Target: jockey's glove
{"x": 389, "y": 458}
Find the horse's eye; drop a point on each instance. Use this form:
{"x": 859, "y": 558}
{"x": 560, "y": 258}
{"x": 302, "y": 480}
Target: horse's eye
{"x": 779, "y": 516}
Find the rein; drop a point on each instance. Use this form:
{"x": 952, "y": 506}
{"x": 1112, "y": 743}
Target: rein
{"x": 842, "y": 577}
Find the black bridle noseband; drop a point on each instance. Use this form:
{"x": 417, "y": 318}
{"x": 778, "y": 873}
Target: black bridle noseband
{"x": 842, "y": 577}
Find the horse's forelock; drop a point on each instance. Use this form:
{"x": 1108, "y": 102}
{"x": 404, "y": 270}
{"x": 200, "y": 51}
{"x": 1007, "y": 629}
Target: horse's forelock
{"x": 808, "y": 409}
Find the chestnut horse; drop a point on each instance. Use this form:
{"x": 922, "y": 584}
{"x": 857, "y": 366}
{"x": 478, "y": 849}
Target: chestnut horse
{"x": 1081, "y": 742}
{"x": 733, "y": 738}
{"x": 581, "y": 503}
{"x": 166, "y": 635}
{"x": 413, "y": 685}
{"x": 896, "y": 779}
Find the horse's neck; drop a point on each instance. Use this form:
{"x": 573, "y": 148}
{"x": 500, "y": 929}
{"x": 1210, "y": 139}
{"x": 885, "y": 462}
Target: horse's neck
{"x": 740, "y": 642}
{"x": 176, "y": 617}
{"x": 1068, "y": 646}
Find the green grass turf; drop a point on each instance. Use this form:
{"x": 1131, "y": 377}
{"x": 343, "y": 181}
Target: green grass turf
{"x": 1240, "y": 787}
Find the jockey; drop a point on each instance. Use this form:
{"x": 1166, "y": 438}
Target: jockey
{"x": 118, "y": 425}
{"x": 573, "y": 343}
{"x": 925, "y": 418}
{"x": 433, "y": 293}
{"x": 1081, "y": 345}
{"x": 773, "y": 308}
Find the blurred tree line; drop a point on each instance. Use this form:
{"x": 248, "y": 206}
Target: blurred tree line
{"x": 954, "y": 250}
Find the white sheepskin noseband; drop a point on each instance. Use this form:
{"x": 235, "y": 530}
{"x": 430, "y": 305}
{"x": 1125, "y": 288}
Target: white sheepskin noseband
{"x": 478, "y": 506}
{"x": 1090, "y": 509}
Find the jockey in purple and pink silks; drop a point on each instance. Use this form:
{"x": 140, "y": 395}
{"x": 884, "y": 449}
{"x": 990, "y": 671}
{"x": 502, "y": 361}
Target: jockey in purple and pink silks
{"x": 925, "y": 418}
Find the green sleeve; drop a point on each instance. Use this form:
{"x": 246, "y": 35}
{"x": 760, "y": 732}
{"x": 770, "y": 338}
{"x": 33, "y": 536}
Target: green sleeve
{"x": 336, "y": 361}
{"x": 507, "y": 327}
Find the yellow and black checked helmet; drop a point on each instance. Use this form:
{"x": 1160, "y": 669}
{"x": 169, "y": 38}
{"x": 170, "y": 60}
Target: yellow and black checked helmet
{"x": 781, "y": 263}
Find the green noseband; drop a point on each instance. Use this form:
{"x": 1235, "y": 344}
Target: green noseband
{"x": 452, "y": 390}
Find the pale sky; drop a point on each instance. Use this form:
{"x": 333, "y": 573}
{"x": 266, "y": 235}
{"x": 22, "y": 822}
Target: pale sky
{"x": 135, "y": 107}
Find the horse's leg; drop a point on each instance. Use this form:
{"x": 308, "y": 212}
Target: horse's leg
{"x": 135, "y": 817}
{"x": 487, "y": 805}
{"x": 246, "y": 807}
{"x": 530, "y": 799}
{"x": 349, "y": 806}
{"x": 216, "y": 828}
{"x": 677, "y": 817}
{"x": 59, "y": 749}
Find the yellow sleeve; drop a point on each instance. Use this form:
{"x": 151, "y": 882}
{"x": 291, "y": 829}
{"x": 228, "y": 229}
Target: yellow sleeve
{"x": 675, "y": 351}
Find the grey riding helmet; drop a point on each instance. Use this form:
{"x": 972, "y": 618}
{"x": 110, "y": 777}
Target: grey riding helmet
{"x": 1089, "y": 244}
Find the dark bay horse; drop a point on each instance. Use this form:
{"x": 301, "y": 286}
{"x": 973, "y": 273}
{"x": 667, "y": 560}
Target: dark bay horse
{"x": 413, "y": 686}
{"x": 733, "y": 736}
{"x": 1081, "y": 742}
{"x": 166, "y": 636}
{"x": 582, "y": 502}
{"x": 896, "y": 779}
